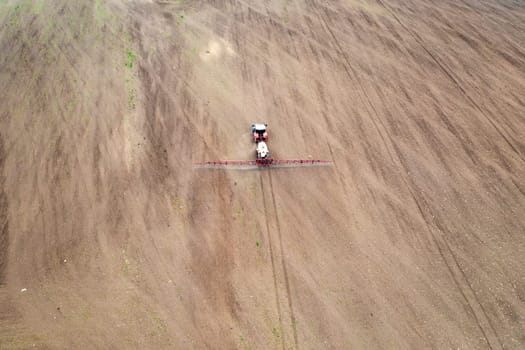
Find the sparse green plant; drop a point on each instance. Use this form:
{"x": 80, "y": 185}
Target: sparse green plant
{"x": 100, "y": 10}
{"x": 131, "y": 60}
{"x": 276, "y": 333}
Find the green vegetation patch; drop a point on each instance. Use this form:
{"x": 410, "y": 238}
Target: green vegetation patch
{"x": 180, "y": 20}
{"x": 19, "y": 11}
{"x": 131, "y": 60}
{"x": 100, "y": 10}
{"x": 130, "y": 80}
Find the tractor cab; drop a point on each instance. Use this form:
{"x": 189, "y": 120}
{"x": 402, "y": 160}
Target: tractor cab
{"x": 263, "y": 154}
{"x": 259, "y": 132}
{"x": 262, "y": 150}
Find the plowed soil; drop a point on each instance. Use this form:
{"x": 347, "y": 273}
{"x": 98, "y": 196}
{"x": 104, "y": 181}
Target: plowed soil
{"x": 413, "y": 239}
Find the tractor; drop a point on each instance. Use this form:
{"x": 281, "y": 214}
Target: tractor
{"x": 259, "y": 132}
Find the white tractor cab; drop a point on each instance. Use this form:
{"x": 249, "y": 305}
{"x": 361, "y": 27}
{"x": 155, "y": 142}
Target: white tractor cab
{"x": 259, "y": 132}
{"x": 262, "y": 151}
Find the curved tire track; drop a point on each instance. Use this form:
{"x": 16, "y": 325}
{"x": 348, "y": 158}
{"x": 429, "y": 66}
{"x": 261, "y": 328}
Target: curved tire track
{"x": 451, "y": 77}
{"x": 461, "y": 281}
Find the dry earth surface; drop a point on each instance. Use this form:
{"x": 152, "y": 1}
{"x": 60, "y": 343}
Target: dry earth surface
{"x": 413, "y": 239}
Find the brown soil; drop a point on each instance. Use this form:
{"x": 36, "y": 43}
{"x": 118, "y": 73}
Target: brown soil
{"x": 413, "y": 239}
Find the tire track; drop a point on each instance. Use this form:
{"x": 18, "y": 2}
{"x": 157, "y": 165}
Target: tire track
{"x": 451, "y": 77}
{"x": 340, "y": 177}
{"x": 272, "y": 258}
{"x": 454, "y": 268}
{"x": 336, "y": 167}
{"x": 4, "y": 224}
{"x": 283, "y": 262}
{"x": 472, "y": 300}
{"x": 352, "y": 74}
{"x": 480, "y": 314}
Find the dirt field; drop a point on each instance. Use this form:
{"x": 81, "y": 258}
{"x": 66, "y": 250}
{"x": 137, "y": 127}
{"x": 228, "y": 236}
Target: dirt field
{"x": 413, "y": 239}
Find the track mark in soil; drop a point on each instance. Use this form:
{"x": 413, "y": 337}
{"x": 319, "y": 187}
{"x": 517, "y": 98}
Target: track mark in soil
{"x": 272, "y": 259}
{"x": 451, "y": 77}
{"x": 451, "y": 263}
{"x": 461, "y": 281}
{"x": 337, "y": 170}
{"x": 283, "y": 262}
{"x": 4, "y": 238}
{"x": 352, "y": 74}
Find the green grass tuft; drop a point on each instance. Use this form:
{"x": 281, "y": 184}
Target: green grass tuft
{"x": 131, "y": 60}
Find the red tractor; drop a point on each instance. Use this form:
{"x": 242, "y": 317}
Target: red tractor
{"x": 259, "y": 132}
